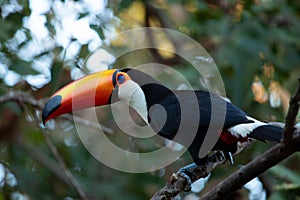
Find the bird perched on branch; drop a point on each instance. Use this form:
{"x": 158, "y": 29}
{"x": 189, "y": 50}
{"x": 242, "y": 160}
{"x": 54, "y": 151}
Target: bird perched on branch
{"x": 190, "y": 117}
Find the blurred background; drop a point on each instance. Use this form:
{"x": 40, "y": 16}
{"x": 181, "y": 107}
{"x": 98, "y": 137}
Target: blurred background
{"x": 44, "y": 45}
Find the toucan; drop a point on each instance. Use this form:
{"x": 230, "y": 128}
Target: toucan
{"x": 184, "y": 116}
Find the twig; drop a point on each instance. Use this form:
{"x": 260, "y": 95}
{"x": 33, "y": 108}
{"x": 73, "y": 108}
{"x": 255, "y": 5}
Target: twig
{"x": 291, "y": 116}
{"x": 43, "y": 159}
{"x": 22, "y": 98}
{"x": 88, "y": 123}
{"x": 25, "y": 97}
{"x": 62, "y": 164}
{"x": 71, "y": 179}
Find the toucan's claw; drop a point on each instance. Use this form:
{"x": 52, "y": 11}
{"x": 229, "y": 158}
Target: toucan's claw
{"x": 220, "y": 155}
{"x": 184, "y": 172}
{"x": 229, "y": 157}
{"x": 226, "y": 155}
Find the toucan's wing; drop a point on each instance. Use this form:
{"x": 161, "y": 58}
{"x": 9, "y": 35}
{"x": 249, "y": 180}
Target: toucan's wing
{"x": 186, "y": 110}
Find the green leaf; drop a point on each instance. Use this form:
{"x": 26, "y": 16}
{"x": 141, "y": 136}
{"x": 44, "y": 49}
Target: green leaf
{"x": 99, "y": 31}
{"x": 22, "y": 67}
{"x": 285, "y": 186}
{"x": 84, "y": 51}
{"x": 285, "y": 173}
{"x": 14, "y": 107}
{"x": 82, "y": 15}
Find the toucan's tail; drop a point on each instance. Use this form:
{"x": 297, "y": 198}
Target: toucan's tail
{"x": 267, "y": 133}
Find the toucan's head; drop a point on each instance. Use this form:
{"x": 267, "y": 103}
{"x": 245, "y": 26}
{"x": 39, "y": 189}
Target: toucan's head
{"x": 96, "y": 90}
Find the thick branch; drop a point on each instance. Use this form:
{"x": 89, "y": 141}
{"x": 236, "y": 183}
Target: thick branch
{"x": 154, "y": 12}
{"x": 259, "y": 165}
{"x": 176, "y": 184}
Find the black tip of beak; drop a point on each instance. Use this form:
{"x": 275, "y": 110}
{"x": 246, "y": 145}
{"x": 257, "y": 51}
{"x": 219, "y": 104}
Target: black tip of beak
{"x": 50, "y": 107}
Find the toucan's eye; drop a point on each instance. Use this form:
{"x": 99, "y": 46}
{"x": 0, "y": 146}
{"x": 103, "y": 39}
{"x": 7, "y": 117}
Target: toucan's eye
{"x": 120, "y": 79}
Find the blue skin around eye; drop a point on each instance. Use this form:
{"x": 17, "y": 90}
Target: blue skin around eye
{"x": 121, "y": 79}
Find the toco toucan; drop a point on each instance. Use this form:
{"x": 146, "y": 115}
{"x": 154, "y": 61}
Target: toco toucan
{"x": 170, "y": 113}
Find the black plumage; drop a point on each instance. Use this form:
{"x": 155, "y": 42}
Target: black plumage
{"x": 185, "y": 115}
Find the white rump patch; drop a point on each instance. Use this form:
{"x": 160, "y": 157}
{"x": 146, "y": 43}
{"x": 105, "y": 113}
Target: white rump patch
{"x": 242, "y": 130}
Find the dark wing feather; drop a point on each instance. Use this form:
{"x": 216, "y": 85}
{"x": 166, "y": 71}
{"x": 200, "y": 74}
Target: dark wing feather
{"x": 186, "y": 116}
{"x": 183, "y": 107}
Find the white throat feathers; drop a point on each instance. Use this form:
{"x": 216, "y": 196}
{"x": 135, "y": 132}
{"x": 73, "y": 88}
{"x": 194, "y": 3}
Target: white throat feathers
{"x": 131, "y": 93}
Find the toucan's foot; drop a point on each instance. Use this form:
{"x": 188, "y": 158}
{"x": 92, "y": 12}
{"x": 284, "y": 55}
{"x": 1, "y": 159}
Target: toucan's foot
{"x": 188, "y": 185}
{"x": 184, "y": 172}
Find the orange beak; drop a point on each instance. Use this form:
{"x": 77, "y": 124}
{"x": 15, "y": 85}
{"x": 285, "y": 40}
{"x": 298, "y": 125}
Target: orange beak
{"x": 90, "y": 91}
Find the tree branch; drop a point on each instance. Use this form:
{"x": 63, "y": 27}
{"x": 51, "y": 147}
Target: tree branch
{"x": 23, "y": 98}
{"x": 154, "y": 12}
{"x": 176, "y": 184}
{"x": 88, "y": 123}
{"x": 63, "y": 165}
{"x": 291, "y": 116}
{"x": 257, "y": 166}
{"x": 290, "y": 145}
{"x": 43, "y": 159}
{"x": 71, "y": 179}
{"x": 20, "y": 96}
